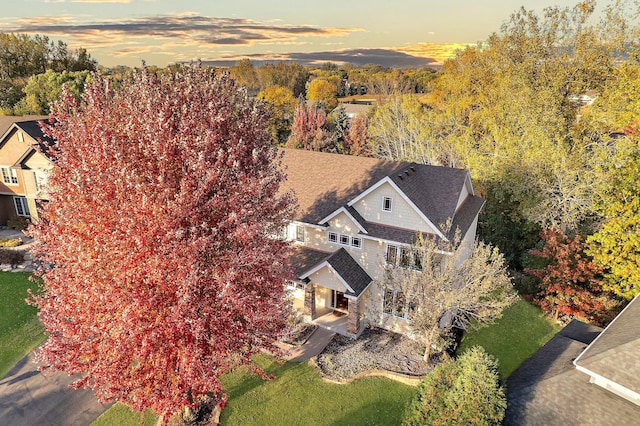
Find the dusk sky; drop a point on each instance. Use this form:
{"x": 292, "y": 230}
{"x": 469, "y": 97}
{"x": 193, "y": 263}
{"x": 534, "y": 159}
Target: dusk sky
{"x": 391, "y": 33}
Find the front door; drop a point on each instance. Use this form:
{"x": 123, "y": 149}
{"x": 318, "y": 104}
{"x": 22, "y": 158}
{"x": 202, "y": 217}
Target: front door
{"x": 338, "y": 301}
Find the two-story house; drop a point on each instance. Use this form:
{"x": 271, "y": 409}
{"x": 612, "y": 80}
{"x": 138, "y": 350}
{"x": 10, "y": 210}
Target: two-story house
{"x": 358, "y": 214}
{"x": 24, "y": 169}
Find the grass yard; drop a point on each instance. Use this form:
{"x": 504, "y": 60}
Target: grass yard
{"x": 298, "y": 396}
{"x": 521, "y": 331}
{"x": 20, "y": 329}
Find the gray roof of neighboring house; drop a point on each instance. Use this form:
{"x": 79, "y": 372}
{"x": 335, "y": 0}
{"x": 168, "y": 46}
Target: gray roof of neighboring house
{"x": 325, "y": 182}
{"x": 615, "y": 354}
{"x": 548, "y": 390}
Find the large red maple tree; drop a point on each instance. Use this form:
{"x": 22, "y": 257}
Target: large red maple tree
{"x": 161, "y": 270}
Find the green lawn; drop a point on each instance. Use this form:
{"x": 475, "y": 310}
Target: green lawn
{"x": 298, "y": 396}
{"x": 521, "y": 331}
{"x": 20, "y": 329}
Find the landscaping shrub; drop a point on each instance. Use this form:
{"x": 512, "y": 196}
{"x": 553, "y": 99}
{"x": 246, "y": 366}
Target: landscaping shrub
{"x": 18, "y": 223}
{"x": 460, "y": 392}
{"x": 11, "y": 257}
{"x": 13, "y": 242}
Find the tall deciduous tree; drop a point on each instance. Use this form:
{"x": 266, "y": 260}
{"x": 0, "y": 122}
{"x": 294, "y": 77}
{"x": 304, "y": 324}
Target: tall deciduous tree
{"x": 323, "y": 92}
{"x": 165, "y": 272}
{"x": 445, "y": 284}
{"x": 569, "y": 283}
{"x": 283, "y": 106}
{"x": 309, "y": 129}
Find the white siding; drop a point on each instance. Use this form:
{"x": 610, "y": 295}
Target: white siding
{"x": 402, "y": 214}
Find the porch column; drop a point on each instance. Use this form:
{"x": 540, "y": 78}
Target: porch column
{"x": 353, "y": 318}
{"x": 310, "y": 301}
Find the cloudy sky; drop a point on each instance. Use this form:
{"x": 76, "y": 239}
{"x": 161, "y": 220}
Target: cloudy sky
{"x": 386, "y": 32}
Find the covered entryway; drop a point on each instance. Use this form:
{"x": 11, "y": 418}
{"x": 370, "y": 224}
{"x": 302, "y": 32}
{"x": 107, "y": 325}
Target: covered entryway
{"x": 332, "y": 295}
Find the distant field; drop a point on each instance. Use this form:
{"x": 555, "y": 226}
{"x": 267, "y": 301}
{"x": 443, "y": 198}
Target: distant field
{"x": 20, "y": 329}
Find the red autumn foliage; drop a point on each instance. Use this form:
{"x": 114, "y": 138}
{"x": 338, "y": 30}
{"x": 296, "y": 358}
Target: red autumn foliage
{"x": 569, "y": 283}
{"x": 164, "y": 273}
{"x": 308, "y": 130}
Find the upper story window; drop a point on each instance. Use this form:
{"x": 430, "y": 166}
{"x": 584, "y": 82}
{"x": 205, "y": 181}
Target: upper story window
{"x": 20, "y": 137}
{"x": 386, "y": 204}
{"x": 344, "y": 240}
{"x": 9, "y": 176}
{"x": 40, "y": 179}
{"x": 300, "y": 233}
{"x": 404, "y": 257}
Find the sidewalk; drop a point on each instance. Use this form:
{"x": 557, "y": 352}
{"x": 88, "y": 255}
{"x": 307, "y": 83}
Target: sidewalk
{"x": 312, "y": 347}
{"x": 29, "y": 398}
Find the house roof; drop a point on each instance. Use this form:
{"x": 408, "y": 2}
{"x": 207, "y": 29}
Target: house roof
{"x": 325, "y": 182}
{"x": 7, "y": 120}
{"x": 548, "y": 390}
{"x": 615, "y": 354}
{"x": 304, "y": 260}
{"x": 355, "y": 109}
{"x": 352, "y": 273}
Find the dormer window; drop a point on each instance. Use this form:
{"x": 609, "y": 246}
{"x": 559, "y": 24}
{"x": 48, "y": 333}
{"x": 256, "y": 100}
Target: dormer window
{"x": 300, "y": 233}
{"x": 386, "y": 204}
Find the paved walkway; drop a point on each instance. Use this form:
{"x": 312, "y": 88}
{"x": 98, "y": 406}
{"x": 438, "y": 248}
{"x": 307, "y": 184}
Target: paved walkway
{"x": 29, "y": 398}
{"x": 313, "y": 346}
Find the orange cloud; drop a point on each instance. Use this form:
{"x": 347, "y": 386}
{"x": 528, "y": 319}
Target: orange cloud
{"x": 438, "y": 52}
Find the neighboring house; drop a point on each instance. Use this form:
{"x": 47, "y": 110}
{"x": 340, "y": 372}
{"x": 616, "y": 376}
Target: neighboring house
{"x": 358, "y": 214}
{"x": 353, "y": 110}
{"x": 23, "y": 168}
{"x": 581, "y": 377}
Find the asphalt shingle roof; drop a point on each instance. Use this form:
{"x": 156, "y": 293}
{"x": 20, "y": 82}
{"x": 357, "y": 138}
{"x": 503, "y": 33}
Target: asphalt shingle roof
{"x": 325, "y": 182}
{"x": 548, "y": 390}
{"x": 350, "y": 271}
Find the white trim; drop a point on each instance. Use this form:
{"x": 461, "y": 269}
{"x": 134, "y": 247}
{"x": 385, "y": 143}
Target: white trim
{"x": 611, "y": 386}
{"x": 397, "y": 243}
{"x": 388, "y": 180}
{"x": 384, "y": 204}
{"x": 327, "y": 264}
{"x": 349, "y": 215}
{"x": 312, "y": 225}
{"x": 575, "y": 361}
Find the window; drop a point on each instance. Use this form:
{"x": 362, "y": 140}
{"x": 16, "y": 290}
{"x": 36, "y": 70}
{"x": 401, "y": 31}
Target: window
{"x": 20, "y": 137}
{"x": 344, "y": 240}
{"x": 386, "y": 204}
{"x": 300, "y": 233}
{"x": 40, "y": 178}
{"x": 395, "y": 303}
{"x": 404, "y": 257}
{"x": 9, "y": 176}
{"x": 392, "y": 254}
{"x": 21, "y": 206}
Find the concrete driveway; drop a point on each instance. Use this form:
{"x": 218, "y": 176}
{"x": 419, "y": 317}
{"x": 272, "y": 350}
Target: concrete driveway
{"x": 30, "y": 398}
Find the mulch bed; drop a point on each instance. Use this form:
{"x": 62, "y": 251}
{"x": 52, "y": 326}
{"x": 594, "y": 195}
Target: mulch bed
{"x": 375, "y": 349}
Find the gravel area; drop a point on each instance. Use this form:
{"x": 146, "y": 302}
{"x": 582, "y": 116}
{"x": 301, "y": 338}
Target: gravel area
{"x": 375, "y": 349}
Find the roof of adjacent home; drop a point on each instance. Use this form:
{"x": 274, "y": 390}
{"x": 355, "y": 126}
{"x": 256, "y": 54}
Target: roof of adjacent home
{"x": 615, "y": 354}
{"x": 323, "y": 183}
{"x": 547, "y": 389}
